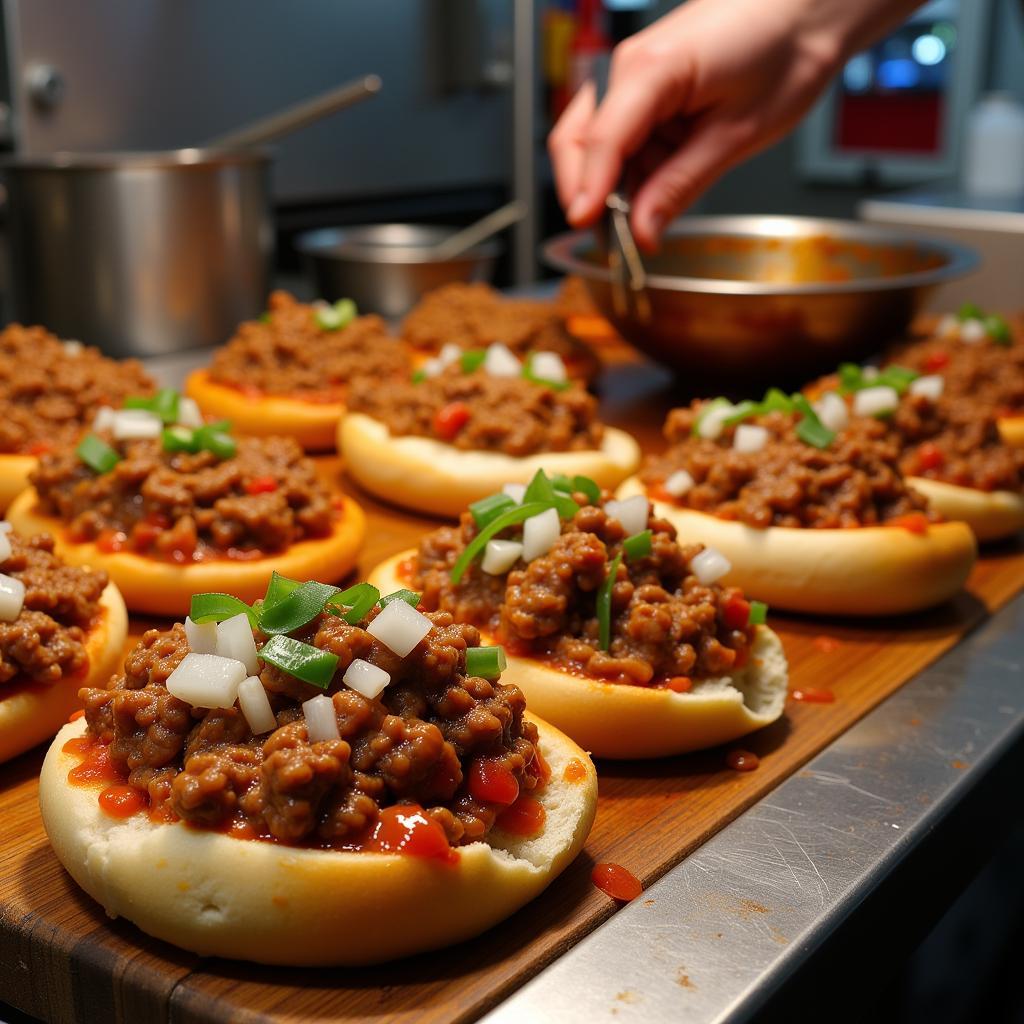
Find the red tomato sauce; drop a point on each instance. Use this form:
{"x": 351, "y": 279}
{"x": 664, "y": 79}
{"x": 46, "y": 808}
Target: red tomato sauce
{"x": 575, "y": 771}
{"x": 742, "y": 761}
{"x": 122, "y": 801}
{"x": 524, "y": 818}
{"x": 812, "y": 695}
{"x": 491, "y": 782}
{"x": 615, "y": 881}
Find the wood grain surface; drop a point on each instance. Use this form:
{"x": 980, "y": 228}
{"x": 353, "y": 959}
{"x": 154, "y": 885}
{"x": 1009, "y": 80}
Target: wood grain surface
{"x": 61, "y": 959}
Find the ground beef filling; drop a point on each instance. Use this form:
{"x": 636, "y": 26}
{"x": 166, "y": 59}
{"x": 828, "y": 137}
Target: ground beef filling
{"x": 475, "y": 315}
{"x": 856, "y": 481}
{"x": 46, "y": 642}
{"x": 484, "y": 413}
{"x": 666, "y": 627}
{"x": 50, "y": 391}
{"x": 415, "y": 744}
{"x": 189, "y": 507}
{"x": 288, "y": 353}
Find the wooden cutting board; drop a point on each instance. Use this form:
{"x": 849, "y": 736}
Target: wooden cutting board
{"x": 61, "y": 959}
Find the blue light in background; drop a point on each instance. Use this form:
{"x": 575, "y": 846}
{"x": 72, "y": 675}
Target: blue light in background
{"x": 928, "y": 50}
{"x": 898, "y": 73}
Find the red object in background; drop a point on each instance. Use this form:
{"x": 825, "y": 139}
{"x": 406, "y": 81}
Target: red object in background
{"x": 890, "y": 122}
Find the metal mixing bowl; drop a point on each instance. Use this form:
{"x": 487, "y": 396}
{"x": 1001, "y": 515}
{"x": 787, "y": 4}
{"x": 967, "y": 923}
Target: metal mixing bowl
{"x": 770, "y": 296}
{"x": 386, "y": 268}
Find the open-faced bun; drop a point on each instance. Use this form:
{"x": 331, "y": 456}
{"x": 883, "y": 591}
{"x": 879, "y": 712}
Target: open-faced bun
{"x": 313, "y": 424}
{"x": 616, "y": 720}
{"x": 14, "y": 471}
{"x": 871, "y": 570}
{"x": 252, "y": 900}
{"x": 992, "y": 515}
{"x": 31, "y": 713}
{"x": 429, "y": 476}
{"x": 1011, "y": 430}
{"x": 166, "y": 588}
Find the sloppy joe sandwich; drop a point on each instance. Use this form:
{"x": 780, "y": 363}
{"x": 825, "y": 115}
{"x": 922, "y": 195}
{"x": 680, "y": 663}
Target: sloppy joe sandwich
{"x": 331, "y": 777}
{"x": 437, "y": 442}
{"x": 289, "y": 372}
{"x": 809, "y": 518}
{"x": 61, "y": 628}
{"x": 167, "y": 510}
{"x": 950, "y": 446}
{"x": 49, "y": 392}
{"x": 616, "y": 633}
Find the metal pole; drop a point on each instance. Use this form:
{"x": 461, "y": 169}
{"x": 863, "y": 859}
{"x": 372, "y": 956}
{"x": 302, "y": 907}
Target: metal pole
{"x": 524, "y": 141}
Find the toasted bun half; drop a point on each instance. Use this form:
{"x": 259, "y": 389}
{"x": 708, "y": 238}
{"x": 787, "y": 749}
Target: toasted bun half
{"x": 313, "y": 424}
{"x": 619, "y": 721}
{"x": 14, "y": 471}
{"x": 164, "y": 588}
{"x": 252, "y": 900}
{"x": 1011, "y": 430}
{"x": 992, "y": 515}
{"x": 873, "y": 570}
{"x": 430, "y": 476}
{"x": 31, "y": 713}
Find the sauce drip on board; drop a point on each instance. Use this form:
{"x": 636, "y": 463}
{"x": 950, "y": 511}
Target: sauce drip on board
{"x": 615, "y": 881}
{"x": 742, "y": 760}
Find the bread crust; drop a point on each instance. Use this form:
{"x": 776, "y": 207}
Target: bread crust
{"x": 32, "y": 713}
{"x": 164, "y": 588}
{"x": 1011, "y": 430}
{"x": 992, "y": 515}
{"x": 614, "y": 720}
{"x": 14, "y": 471}
{"x": 872, "y": 570}
{"x": 312, "y": 424}
{"x": 438, "y": 479}
{"x": 252, "y": 900}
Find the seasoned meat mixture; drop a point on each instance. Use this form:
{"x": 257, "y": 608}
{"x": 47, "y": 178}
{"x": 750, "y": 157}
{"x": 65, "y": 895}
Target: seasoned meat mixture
{"x": 478, "y": 411}
{"x": 856, "y": 481}
{"x": 50, "y": 391}
{"x": 288, "y": 353}
{"x": 414, "y": 745}
{"x": 46, "y": 642}
{"x": 474, "y": 315}
{"x": 666, "y": 628}
{"x": 189, "y": 507}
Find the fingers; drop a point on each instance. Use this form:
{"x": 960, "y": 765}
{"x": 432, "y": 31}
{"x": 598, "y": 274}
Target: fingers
{"x": 566, "y": 141}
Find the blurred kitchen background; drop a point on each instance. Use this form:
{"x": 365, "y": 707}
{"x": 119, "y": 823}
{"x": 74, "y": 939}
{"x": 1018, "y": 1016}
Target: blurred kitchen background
{"x": 471, "y": 88}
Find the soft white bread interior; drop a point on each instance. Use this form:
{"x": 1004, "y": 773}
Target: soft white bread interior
{"x": 32, "y": 713}
{"x": 429, "y": 476}
{"x": 872, "y": 570}
{"x": 615, "y": 720}
{"x": 254, "y": 900}
{"x": 992, "y": 515}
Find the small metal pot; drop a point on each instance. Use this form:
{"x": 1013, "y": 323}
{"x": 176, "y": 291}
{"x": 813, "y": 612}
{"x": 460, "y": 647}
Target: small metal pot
{"x": 140, "y": 253}
{"x": 386, "y": 268}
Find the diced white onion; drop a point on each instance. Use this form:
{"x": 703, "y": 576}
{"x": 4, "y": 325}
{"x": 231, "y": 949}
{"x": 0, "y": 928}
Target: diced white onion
{"x": 5, "y": 526}
{"x": 501, "y": 555}
{"x": 12, "y": 597}
{"x": 399, "y": 627}
{"x": 5, "y": 547}
{"x": 539, "y": 534}
{"x": 136, "y": 424}
{"x": 366, "y": 678}
{"x": 321, "y": 721}
{"x": 678, "y": 484}
{"x": 255, "y": 705}
{"x": 832, "y": 411}
{"x": 234, "y": 640}
{"x": 201, "y": 636}
{"x": 631, "y": 513}
{"x": 189, "y": 413}
{"x": 972, "y": 331}
{"x": 104, "y": 419}
{"x": 749, "y": 438}
{"x": 432, "y": 367}
{"x": 875, "y": 401}
{"x": 712, "y": 422}
{"x": 931, "y": 386}
{"x": 949, "y": 327}
{"x": 710, "y": 565}
{"x": 450, "y": 353}
{"x": 869, "y": 372}
{"x": 549, "y": 366}
{"x": 72, "y": 347}
{"x": 206, "y": 680}
{"x": 500, "y": 362}
{"x": 515, "y": 491}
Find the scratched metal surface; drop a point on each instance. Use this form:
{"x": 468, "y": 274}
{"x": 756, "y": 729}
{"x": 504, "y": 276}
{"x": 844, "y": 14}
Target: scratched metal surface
{"x": 717, "y": 935}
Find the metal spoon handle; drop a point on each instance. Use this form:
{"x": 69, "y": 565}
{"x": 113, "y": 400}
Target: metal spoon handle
{"x": 276, "y": 126}
{"x": 461, "y": 241}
